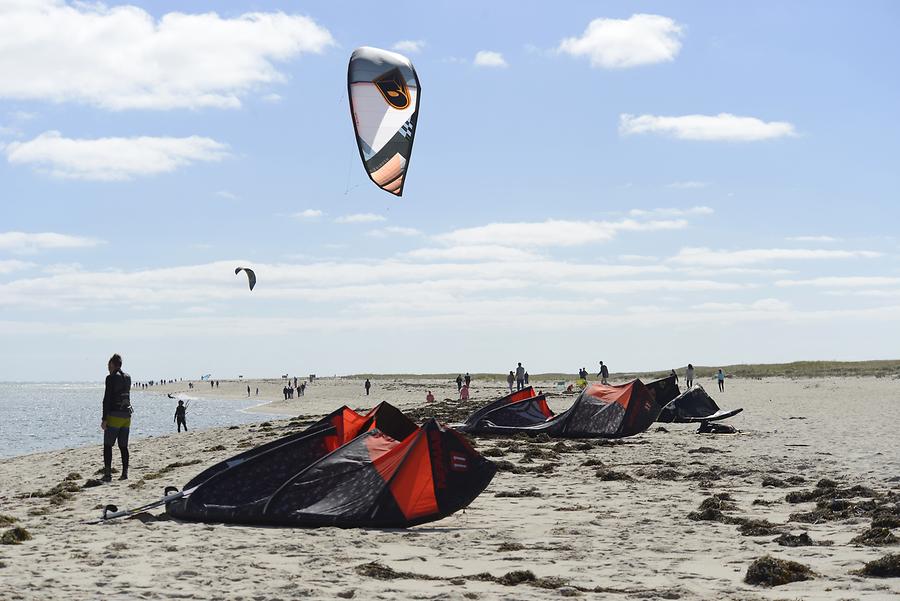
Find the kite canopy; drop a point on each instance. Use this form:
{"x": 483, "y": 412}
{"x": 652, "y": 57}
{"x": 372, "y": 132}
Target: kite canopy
{"x": 384, "y": 103}
{"x": 600, "y": 411}
{"x": 692, "y": 406}
{"x": 251, "y": 276}
{"x": 373, "y": 480}
{"x": 664, "y": 390}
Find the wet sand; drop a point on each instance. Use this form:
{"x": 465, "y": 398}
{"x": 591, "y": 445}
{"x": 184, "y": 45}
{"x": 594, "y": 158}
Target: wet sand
{"x": 597, "y": 519}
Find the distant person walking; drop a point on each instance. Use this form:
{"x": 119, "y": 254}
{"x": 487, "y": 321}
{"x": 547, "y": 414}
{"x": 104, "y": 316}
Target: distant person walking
{"x": 368, "y": 386}
{"x": 468, "y": 379}
{"x": 180, "y": 416}
{"x": 459, "y": 382}
{"x": 720, "y": 376}
{"x": 674, "y": 374}
{"x": 510, "y": 379}
{"x": 520, "y": 377}
{"x": 526, "y": 378}
{"x": 464, "y": 393}
{"x": 604, "y": 373}
{"x": 116, "y": 421}
{"x": 689, "y": 376}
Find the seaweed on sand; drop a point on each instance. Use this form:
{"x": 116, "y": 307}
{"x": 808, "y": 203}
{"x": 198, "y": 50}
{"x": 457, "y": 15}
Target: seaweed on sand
{"x": 770, "y": 571}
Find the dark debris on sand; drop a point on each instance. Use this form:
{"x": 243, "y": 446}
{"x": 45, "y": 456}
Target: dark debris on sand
{"x": 525, "y": 492}
{"x": 769, "y": 571}
{"x": 15, "y": 536}
{"x": 876, "y": 537}
{"x": 608, "y": 475}
{"x": 800, "y": 540}
{"x": 883, "y": 567}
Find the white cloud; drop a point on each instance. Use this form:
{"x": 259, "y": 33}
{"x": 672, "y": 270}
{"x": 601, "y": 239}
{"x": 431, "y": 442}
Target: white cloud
{"x": 730, "y": 258}
{"x": 112, "y": 159}
{"x": 721, "y": 127}
{"x": 272, "y": 98}
{"x": 122, "y": 57}
{"x": 11, "y": 266}
{"x": 472, "y": 253}
{"x": 227, "y": 195}
{"x": 842, "y": 282}
{"x": 813, "y": 239}
{"x": 622, "y": 43}
{"x": 489, "y": 58}
{"x": 671, "y": 212}
{"x": 412, "y": 46}
{"x": 308, "y": 214}
{"x": 392, "y": 231}
{"x": 638, "y": 258}
{"x": 766, "y": 304}
{"x": 25, "y": 243}
{"x": 688, "y": 185}
{"x": 552, "y": 232}
{"x": 360, "y": 218}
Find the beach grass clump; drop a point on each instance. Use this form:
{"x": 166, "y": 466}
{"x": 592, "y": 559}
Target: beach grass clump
{"x": 883, "y": 567}
{"x": 7, "y": 520}
{"x": 608, "y": 475}
{"x": 15, "y": 536}
{"x": 91, "y": 483}
{"x": 795, "y": 540}
{"x": 885, "y": 520}
{"x": 509, "y": 547}
{"x": 876, "y": 537}
{"x": 508, "y": 466}
{"x": 494, "y": 452}
{"x": 538, "y": 453}
{"x": 63, "y": 488}
{"x": 758, "y": 528}
{"x": 73, "y": 476}
{"x": 773, "y": 482}
{"x": 770, "y": 571}
{"x": 524, "y": 492}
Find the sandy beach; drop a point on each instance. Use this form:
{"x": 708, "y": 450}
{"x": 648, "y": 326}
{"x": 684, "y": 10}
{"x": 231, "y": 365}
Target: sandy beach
{"x": 598, "y": 519}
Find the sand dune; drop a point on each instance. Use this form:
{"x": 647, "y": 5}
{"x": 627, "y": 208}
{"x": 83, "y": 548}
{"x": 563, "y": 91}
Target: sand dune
{"x": 579, "y": 516}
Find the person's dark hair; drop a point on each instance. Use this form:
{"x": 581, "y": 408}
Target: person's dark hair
{"x": 691, "y": 366}
{"x": 116, "y": 359}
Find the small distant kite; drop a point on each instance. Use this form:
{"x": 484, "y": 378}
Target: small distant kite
{"x": 251, "y": 277}
{"x": 384, "y": 103}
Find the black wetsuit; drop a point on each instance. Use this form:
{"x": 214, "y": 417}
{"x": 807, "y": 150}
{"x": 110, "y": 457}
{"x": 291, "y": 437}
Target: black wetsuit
{"x": 117, "y": 415}
{"x": 180, "y": 417}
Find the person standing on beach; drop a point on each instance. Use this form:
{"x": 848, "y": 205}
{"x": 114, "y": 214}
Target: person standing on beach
{"x": 368, "y": 386}
{"x": 520, "y": 377}
{"x": 720, "y": 376}
{"x": 116, "y": 421}
{"x": 526, "y": 378}
{"x": 248, "y": 390}
{"x": 674, "y": 374}
{"x": 468, "y": 379}
{"x": 180, "y": 416}
{"x": 510, "y": 379}
{"x": 604, "y": 373}
{"x": 429, "y": 397}
{"x": 459, "y": 381}
{"x": 689, "y": 376}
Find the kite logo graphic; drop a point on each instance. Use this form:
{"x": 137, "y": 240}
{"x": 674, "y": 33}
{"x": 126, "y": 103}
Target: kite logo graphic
{"x": 458, "y": 462}
{"x": 393, "y": 88}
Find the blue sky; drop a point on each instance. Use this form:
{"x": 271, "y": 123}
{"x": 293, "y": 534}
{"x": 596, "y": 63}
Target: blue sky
{"x": 647, "y": 183}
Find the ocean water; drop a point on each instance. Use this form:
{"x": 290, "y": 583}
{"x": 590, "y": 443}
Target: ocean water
{"x": 54, "y": 415}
